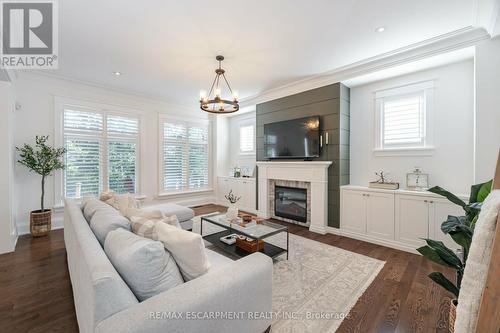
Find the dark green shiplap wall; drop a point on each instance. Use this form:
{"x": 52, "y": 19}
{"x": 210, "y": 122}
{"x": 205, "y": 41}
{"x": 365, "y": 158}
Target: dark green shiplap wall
{"x": 331, "y": 103}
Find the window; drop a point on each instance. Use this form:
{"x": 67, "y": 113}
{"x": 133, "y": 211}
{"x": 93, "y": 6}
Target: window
{"x": 185, "y": 156}
{"x": 403, "y": 118}
{"x": 102, "y": 150}
{"x": 247, "y": 137}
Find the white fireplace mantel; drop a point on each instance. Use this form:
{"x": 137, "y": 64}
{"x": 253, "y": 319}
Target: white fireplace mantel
{"x": 314, "y": 172}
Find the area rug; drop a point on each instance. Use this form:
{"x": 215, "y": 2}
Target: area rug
{"x": 314, "y": 290}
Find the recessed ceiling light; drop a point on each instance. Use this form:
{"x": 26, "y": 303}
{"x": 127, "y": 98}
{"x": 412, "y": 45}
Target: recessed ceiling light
{"x": 380, "y": 29}
{"x": 117, "y": 73}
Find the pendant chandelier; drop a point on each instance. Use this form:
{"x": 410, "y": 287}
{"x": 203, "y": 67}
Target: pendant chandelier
{"x": 213, "y": 101}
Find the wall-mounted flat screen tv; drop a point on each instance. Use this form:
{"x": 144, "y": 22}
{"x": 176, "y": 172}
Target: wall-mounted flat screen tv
{"x": 297, "y": 138}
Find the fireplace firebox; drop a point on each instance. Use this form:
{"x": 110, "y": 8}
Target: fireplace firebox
{"x": 290, "y": 203}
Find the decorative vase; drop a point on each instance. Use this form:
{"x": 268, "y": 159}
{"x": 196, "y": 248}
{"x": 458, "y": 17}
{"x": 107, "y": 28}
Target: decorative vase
{"x": 232, "y": 212}
{"x": 40, "y": 222}
{"x": 452, "y": 316}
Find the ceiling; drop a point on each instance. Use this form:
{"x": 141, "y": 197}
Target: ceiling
{"x": 167, "y": 49}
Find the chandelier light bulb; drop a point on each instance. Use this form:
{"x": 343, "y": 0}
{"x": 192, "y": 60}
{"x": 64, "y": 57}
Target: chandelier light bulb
{"x": 235, "y": 95}
{"x": 217, "y": 92}
{"x": 203, "y": 95}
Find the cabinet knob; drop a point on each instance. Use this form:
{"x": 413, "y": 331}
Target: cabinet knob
{"x": 431, "y": 201}
{"x": 425, "y": 200}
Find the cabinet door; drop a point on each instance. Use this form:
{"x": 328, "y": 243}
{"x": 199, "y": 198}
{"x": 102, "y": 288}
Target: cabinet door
{"x": 380, "y": 215}
{"x": 353, "y": 211}
{"x": 439, "y": 211}
{"x": 412, "y": 219}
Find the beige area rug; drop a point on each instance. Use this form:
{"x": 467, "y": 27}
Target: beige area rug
{"x": 316, "y": 288}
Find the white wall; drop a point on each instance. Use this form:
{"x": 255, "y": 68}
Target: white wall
{"x": 451, "y": 164}
{"x": 487, "y": 66}
{"x": 8, "y": 233}
{"x": 36, "y": 96}
{"x": 235, "y": 158}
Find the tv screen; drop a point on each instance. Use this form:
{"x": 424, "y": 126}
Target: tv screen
{"x": 297, "y": 138}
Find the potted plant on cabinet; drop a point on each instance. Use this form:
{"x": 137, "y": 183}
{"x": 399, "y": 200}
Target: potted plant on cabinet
{"x": 460, "y": 229}
{"x": 43, "y": 160}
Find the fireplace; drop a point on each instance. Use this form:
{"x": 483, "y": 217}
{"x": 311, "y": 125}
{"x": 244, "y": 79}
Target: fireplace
{"x": 290, "y": 203}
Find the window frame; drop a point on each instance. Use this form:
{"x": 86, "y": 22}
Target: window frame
{"x": 105, "y": 110}
{"x": 240, "y": 126}
{"x": 426, "y": 89}
{"x": 162, "y": 193}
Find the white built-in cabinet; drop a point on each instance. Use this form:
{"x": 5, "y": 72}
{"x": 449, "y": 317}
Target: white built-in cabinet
{"x": 241, "y": 187}
{"x": 398, "y": 219}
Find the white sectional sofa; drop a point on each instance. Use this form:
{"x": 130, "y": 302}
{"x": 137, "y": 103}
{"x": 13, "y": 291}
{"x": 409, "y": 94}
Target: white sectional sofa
{"x": 239, "y": 290}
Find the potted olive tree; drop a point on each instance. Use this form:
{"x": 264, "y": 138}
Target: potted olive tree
{"x": 43, "y": 160}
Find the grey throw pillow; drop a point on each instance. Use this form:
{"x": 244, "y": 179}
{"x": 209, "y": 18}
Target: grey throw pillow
{"x": 143, "y": 263}
{"x": 106, "y": 220}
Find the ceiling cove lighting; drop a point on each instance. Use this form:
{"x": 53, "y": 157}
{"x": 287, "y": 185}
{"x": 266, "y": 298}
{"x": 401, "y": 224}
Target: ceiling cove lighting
{"x": 213, "y": 101}
{"x": 380, "y": 29}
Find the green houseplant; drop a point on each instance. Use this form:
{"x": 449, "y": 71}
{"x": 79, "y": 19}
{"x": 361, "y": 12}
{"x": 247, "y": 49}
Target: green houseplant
{"x": 43, "y": 160}
{"x": 460, "y": 229}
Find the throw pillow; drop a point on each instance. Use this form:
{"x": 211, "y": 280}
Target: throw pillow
{"x": 143, "y": 225}
{"x": 143, "y": 263}
{"x": 122, "y": 202}
{"x": 105, "y": 221}
{"x": 106, "y": 195}
{"x": 187, "y": 248}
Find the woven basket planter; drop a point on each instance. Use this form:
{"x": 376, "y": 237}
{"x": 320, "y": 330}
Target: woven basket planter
{"x": 452, "y": 316}
{"x": 40, "y": 222}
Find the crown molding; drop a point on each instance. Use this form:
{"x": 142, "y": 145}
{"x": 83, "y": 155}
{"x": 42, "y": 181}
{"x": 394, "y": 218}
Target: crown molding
{"x": 438, "y": 45}
{"x": 486, "y": 15}
{"x": 128, "y": 92}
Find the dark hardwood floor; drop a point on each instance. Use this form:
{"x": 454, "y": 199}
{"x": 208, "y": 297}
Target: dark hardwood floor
{"x": 36, "y": 295}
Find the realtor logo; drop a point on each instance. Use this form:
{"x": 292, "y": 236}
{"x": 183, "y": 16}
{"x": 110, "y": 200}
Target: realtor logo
{"x": 29, "y": 34}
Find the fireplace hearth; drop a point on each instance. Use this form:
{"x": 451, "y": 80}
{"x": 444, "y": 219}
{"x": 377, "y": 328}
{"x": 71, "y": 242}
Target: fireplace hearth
{"x": 290, "y": 203}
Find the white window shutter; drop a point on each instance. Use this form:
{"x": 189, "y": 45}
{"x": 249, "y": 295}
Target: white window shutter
{"x": 403, "y": 121}
{"x": 83, "y": 171}
{"x": 185, "y": 156}
{"x": 97, "y": 142}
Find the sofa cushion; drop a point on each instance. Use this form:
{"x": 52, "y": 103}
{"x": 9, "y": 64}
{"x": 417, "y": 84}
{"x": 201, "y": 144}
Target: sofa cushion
{"x": 143, "y": 263}
{"x": 182, "y": 213}
{"x": 217, "y": 260}
{"x": 91, "y": 206}
{"x": 187, "y": 248}
{"x": 106, "y": 220}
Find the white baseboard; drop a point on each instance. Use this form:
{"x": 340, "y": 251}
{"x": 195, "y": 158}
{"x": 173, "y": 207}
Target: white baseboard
{"x": 318, "y": 230}
{"x": 332, "y": 230}
{"x": 384, "y": 242}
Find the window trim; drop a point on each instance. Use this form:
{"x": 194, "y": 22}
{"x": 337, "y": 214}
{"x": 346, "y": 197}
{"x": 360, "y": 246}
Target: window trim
{"x": 246, "y": 124}
{"x": 105, "y": 109}
{"x": 162, "y": 193}
{"x": 427, "y": 148}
